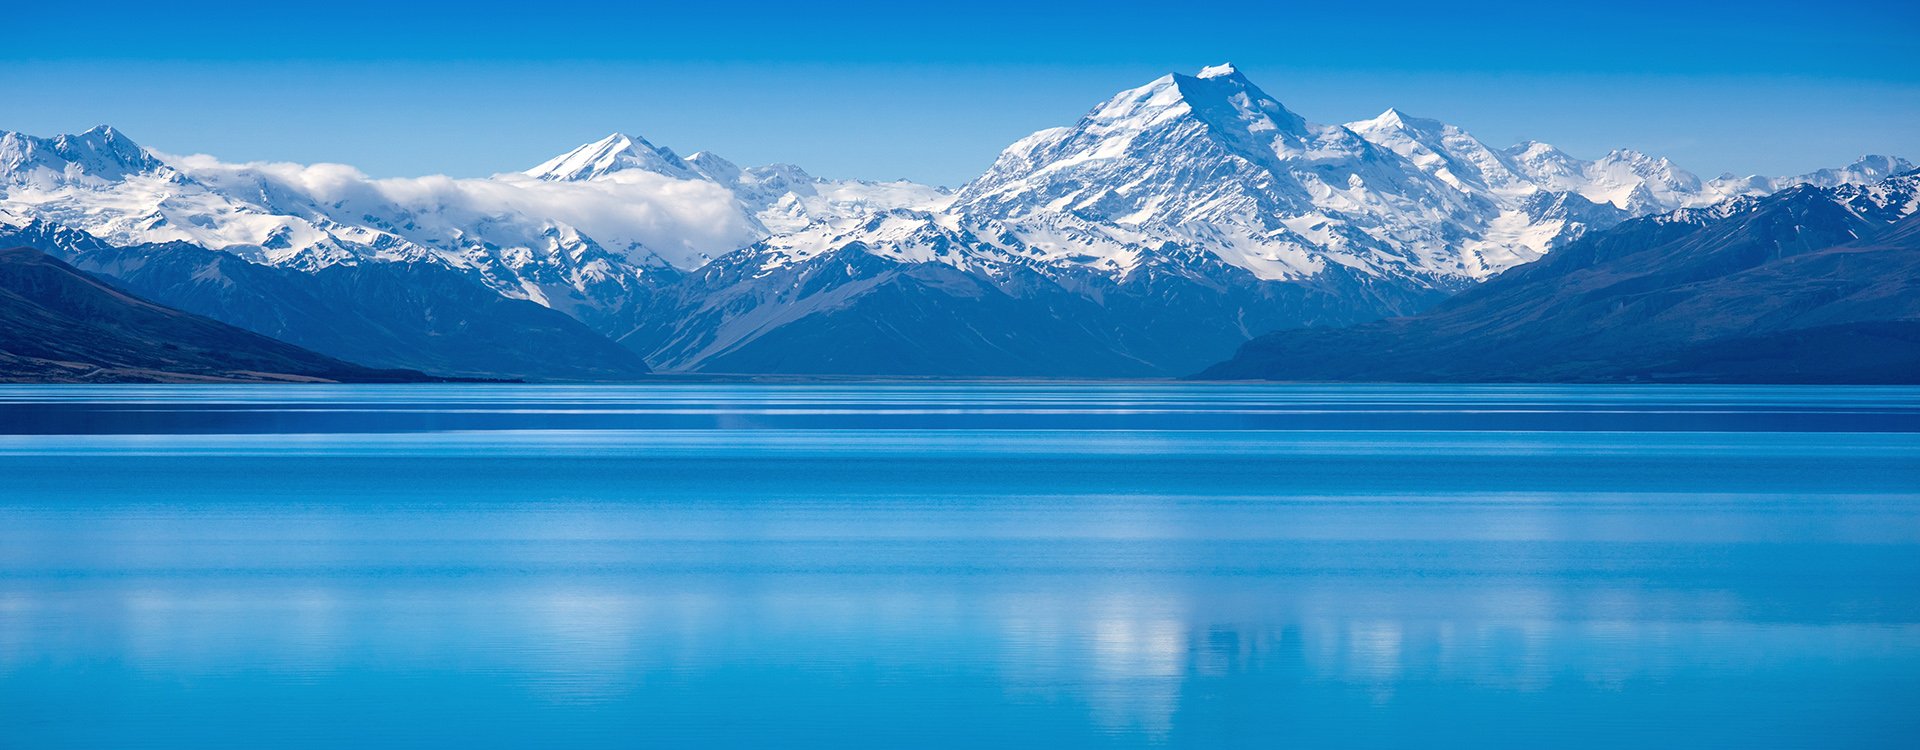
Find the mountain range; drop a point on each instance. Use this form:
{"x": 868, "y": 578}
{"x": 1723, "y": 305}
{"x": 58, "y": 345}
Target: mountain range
{"x": 1808, "y": 285}
{"x": 1153, "y": 237}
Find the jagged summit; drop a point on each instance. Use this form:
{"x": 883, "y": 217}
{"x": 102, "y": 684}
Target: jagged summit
{"x": 98, "y": 154}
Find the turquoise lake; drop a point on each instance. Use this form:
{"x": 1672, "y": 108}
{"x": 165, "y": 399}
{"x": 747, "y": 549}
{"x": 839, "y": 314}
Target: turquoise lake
{"x": 959, "y": 565}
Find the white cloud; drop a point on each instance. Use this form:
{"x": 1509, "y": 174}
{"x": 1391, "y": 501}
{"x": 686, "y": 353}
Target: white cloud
{"x": 681, "y": 220}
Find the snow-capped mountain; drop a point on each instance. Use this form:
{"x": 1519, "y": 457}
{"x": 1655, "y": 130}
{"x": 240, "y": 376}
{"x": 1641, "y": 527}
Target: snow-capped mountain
{"x": 98, "y": 156}
{"x": 776, "y": 198}
{"x": 1214, "y": 163}
{"x": 1168, "y": 224}
{"x": 618, "y": 152}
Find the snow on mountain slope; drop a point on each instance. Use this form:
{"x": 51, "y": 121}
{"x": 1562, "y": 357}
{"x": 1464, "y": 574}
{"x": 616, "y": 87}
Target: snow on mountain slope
{"x": 1446, "y": 152}
{"x": 901, "y": 235}
{"x": 783, "y": 198}
{"x": 1629, "y": 181}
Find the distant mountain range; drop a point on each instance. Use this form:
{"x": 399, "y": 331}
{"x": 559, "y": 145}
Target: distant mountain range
{"x": 57, "y": 323}
{"x": 1809, "y": 285}
{"x": 1153, "y": 237}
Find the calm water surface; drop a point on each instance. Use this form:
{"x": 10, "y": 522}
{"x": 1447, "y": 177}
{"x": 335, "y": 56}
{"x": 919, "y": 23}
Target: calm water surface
{"x": 1065, "y": 565}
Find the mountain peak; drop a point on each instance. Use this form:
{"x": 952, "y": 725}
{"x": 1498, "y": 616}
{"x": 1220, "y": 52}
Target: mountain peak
{"x": 1225, "y": 99}
{"x": 104, "y": 139}
{"x": 1162, "y": 154}
{"x": 1223, "y": 70}
{"x": 1395, "y": 119}
{"x": 100, "y": 153}
{"x": 617, "y": 152}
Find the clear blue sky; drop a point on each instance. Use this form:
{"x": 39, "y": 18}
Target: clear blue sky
{"x": 931, "y": 91}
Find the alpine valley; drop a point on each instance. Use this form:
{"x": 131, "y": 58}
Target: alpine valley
{"x": 1170, "y": 225}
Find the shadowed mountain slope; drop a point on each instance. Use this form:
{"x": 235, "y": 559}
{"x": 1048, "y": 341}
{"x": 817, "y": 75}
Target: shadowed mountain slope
{"x": 402, "y": 315}
{"x": 57, "y": 324}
